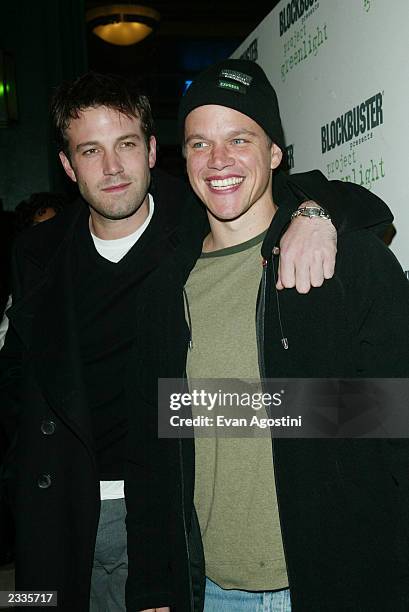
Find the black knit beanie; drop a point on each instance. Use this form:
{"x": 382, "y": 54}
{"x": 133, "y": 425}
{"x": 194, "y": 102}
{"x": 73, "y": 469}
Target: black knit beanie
{"x": 238, "y": 84}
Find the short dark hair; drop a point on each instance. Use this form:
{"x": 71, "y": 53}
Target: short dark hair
{"x": 92, "y": 90}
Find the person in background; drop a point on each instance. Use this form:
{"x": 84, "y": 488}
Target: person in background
{"x": 38, "y": 208}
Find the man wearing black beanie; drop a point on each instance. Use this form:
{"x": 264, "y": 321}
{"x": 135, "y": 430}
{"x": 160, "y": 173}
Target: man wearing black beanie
{"x": 241, "y": 85}
{"x": 282, "y": 521}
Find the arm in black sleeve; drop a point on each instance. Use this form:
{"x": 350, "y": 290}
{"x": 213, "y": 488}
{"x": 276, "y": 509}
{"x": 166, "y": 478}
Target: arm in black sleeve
{"x": 148, "y": 502}
{"x": 351, "y": 207}
{"x": 188, "y": 216}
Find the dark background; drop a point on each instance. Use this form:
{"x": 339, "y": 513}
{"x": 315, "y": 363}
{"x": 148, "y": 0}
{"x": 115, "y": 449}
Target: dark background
{"x": 49, "y": 41}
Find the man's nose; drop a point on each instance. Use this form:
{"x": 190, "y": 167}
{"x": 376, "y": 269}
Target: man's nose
{"x": 220, "y": 157}
{"x": 112, "y": 163}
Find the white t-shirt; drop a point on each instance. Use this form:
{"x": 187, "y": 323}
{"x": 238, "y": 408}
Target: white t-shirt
{"x": 114, "y": 250}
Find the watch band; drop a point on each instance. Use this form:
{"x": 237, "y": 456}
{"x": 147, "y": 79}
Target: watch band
{"x": 311, "y": 212}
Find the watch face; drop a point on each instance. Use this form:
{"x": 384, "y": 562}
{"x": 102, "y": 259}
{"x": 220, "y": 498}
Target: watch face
{"x": 316, "y": 212}
{"x": 311, "y": 211}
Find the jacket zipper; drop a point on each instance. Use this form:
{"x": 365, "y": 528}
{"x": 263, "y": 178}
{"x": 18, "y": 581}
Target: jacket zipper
{"x": 260, "y": 313}
{"x": 189, "y": 320}
{"x": 182, "y": 478}
{"x": 260, "y": 325}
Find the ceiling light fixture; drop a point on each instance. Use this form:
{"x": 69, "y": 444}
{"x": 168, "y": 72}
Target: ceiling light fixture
{"x": 122, "y": 24}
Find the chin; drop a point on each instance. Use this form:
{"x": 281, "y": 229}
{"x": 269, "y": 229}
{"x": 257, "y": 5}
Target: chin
{"x": 115, "y": 210}
{"x": 225, "y": 215}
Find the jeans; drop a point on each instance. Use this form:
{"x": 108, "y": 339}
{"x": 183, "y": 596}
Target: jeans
{"x": 110, "y": 569}
{"x": 223, "y": 600}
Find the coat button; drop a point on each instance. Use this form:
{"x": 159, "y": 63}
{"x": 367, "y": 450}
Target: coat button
{"x": 48, "y": 427}
{"x": 44, "y": 481}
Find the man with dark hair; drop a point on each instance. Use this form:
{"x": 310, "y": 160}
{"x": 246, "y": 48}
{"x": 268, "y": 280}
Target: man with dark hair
{"x": 77, "y": 346}
{"x": 79, "y": 280}
{"x": 93, "y": 90}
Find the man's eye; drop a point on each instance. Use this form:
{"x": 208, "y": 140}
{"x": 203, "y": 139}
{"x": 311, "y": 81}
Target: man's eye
{"x": 199, "y": 145}
{"x": 89, "y": 152}
{"x": 128, "y": 144}
{"x": 238, "y": 141}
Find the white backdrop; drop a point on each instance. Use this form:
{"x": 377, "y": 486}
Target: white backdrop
{"x": 340, "y": 69}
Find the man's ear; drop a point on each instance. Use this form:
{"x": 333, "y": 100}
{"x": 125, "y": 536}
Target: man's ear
{"x": 67, "y": 166}
{"x": 276, "y": 156}
{"x": 152, "y": 151}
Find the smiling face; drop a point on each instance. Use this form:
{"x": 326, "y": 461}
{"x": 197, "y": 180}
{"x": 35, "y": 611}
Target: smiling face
{"x": 229, "y": 162}
{"x": 109, "y": 160}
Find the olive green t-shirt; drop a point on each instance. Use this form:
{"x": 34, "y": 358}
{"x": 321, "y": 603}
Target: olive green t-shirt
{"x": 235, "y": 494}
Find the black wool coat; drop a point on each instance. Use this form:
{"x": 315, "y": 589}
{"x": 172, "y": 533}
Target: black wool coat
{"x": 50, "y": 470}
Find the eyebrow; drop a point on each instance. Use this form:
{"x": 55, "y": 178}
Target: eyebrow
{"x": 91, "y": 143}
{"x": 231, "y": 134}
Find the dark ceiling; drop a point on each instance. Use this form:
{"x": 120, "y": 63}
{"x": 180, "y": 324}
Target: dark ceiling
{"x": 191, "y": 35}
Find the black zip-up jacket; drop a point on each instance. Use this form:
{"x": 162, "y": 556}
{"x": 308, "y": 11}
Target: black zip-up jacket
{"x": 343, "y": 504}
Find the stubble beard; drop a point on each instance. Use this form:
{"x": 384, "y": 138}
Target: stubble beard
{"x": 119, "y": 213}
{"x": 115, "y": 211}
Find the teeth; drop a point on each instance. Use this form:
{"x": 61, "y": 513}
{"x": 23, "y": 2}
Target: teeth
{"x": 225, "y": 183}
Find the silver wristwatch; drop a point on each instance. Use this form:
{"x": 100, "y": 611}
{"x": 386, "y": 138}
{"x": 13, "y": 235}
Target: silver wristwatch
{"x": 311, "y": 212}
